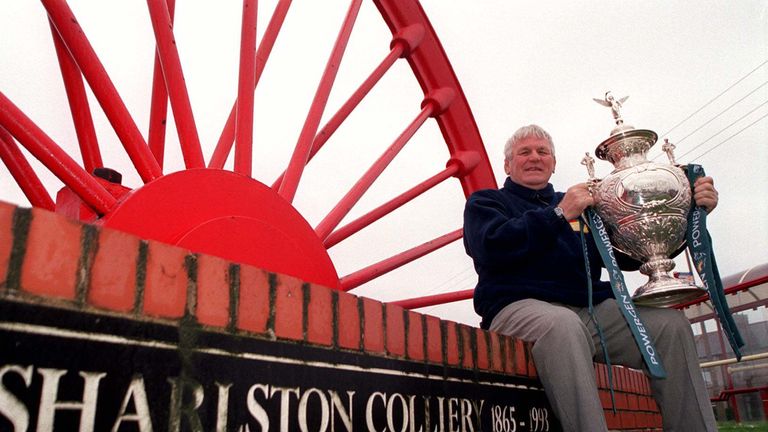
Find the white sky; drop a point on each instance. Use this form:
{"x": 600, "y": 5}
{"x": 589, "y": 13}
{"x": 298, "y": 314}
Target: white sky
{"x": 518, "y": 63}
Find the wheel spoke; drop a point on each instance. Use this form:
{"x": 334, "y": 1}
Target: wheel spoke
{"x": 78, "y": 105}
{"x": 301, "y": 151}
{"x": 245, "y": 86}
{"x": 360, "y": 277}
{"x": 103, "y": 88}
{"x": 224, "y": 145}
{"x": 420, "y": 302}
{"x": 53, "y": 157}
{"x": 23, "y": 173}
{"x": 430, "y": 107}
{"x": 401, "y": 46}
{"x": 457, "y": 166}
{"x": 174, "y": 82}
{"x": 158, "y": 111}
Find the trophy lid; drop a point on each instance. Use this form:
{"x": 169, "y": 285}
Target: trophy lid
{"x": 622, "y": 134}
{"x": 645, "y": 136}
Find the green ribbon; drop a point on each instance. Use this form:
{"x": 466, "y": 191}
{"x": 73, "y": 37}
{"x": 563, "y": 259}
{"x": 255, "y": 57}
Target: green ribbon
{"x": 624, "y": 299}
{"x": 700, "y": 245}
{"x": 593, "y": 317}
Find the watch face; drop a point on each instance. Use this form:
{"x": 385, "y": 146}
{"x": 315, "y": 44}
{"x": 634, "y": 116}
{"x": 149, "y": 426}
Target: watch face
{"x": 559, "y": 212}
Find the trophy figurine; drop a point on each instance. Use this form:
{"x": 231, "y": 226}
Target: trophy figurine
{"x": 644, "y": 206}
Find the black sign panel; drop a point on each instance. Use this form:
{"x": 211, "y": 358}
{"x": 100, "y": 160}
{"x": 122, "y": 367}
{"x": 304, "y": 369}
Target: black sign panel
{"x": 70, "y": 370}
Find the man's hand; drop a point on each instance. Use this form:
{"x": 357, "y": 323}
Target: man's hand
{"x": 704, "y": 193}
{"x": 576, "y": 199}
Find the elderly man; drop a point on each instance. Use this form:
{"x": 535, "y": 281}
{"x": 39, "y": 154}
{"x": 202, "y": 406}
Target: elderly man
{"x": 532, "y": 284}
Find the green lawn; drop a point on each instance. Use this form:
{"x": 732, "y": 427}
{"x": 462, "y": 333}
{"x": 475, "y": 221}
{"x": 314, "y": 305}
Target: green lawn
{"x": 743, "y": 427}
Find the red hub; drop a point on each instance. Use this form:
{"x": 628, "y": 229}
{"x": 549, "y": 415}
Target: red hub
{"x": 228, "y": 215}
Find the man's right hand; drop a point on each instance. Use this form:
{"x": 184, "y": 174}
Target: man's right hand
{"x": 576, "y": 199}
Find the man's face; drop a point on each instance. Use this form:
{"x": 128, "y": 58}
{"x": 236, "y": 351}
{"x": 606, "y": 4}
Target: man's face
{"x": 531, "y": 163}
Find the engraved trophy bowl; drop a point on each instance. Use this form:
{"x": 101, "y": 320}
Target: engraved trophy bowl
{"x": 644, "y": 206}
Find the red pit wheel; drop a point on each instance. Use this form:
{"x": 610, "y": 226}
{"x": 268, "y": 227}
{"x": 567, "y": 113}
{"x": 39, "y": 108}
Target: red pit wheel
{"x": 206, "y": 207}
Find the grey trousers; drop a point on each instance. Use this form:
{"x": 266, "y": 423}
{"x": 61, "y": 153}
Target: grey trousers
{"x": 566, "y": 344}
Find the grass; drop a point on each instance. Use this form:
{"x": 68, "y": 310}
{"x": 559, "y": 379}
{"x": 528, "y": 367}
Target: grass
{"x": 742, "y": 427}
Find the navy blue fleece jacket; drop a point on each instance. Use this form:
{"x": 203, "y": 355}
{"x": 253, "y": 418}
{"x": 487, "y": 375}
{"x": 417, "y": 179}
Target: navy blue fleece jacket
{"x": 522, "y": 249}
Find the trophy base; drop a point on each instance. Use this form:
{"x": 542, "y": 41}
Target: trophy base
{"x": 666, "y": 291}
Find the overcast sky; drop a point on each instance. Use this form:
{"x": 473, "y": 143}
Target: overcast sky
{"x": 518, "y": 63}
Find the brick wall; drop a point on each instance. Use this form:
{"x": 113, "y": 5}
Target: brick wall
{"x": 45, "y": 257}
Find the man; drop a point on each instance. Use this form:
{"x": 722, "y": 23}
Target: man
{"x": 532, "y": 285}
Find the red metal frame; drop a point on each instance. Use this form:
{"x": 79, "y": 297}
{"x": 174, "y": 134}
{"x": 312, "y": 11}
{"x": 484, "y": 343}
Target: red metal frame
{"x": 456, "y": 166}
{"x": 245, "y": 86}
{"x": 53, "y": 157}
{"x": 81, "y": 50}
{"x": 341, "y": 209}
{"x": 301, "y": 152}
{"x": 401, "y": 45}
{"x": 113, "y": 205}
{"x": 224, "y": 145}
{"x": 360, "y": 277}
{"x": 174, "y": 84}
{"x": 78, "y": 105}
{"x": 23, "y": 173}
{"x": 159, "y": 105}
{"x": 730, "y": 290}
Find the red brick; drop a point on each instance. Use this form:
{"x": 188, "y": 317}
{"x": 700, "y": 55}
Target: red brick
{"x": 415, "y": 348}
{"x": 509, "y": 356}
{"x": 605, "y": 399}
{"x": 529, "y": 356}
{"x": 627, "y": 419}
{"x": 165, "y": 293}
{"x": 212, "y": 306}
{"x": 289, "y": 308}
{"x": 602, "y": 376}
{"x": 451, "y": 343}
{"x": 632, "y": 402}
{"x": 465, "y": 346}
{"x": 434, "y": 340}
{"x": 598, "y": 368}
{"x": 632, "y": 381}
{"x": 613, "y": 420}
{"x": 320, "y": 316}
{"x": 642, "y": 403}
{"x": 521, "y": 358}
{"x": 52, "y": 255}
{"x": 373, "y": 331}
{"x": 621, "y": 401}
{"x": 348, "y": 321}
{"x": 6, "y": 238}
{"x": 395, "y": 330}
{"x": 652, "y": 404}
{"x": 621, "y": 378}
{"x": 253, "y": 306}
{"x": 637, "y": 382}
{"x": 113, "y": 274}
{"x": 497, "y": 361}
{"x": 482, "y": 337}
{"x": 655, "y": 421}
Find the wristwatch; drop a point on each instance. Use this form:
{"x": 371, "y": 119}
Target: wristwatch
{"x": 559, "y": 212}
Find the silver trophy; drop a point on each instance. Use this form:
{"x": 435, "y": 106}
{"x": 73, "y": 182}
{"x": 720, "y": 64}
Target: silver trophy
{"x": 644, "y": 206}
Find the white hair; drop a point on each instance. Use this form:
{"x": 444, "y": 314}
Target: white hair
{"x": 527, "y": 132}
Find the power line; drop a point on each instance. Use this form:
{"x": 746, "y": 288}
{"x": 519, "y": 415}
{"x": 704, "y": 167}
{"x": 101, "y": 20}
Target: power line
{"x": 715, "y": 98}
{"x": 722, "y": 130}
{"x": 451, "y": 280}
{"x": 738, "y": 132}
{"x": 724, "y": 111}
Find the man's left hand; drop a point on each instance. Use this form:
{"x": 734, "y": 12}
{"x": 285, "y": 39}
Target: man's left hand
{"x": 705, "y": 194}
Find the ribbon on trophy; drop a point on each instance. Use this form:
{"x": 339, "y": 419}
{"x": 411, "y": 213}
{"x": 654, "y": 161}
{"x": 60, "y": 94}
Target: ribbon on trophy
{"x": 627, "y": 307}
{"x": 700, "y": 245}
{"x": 594, "y": 318}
